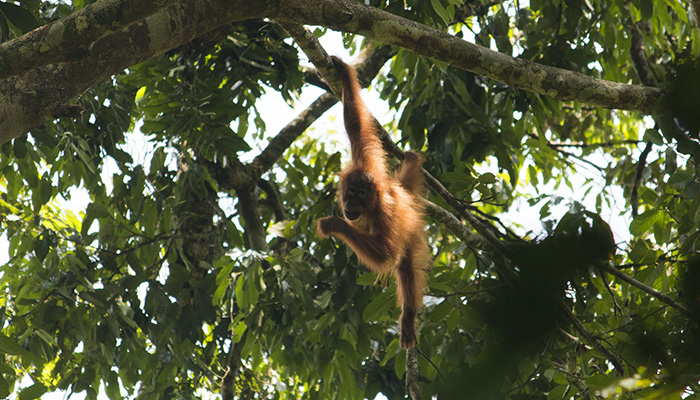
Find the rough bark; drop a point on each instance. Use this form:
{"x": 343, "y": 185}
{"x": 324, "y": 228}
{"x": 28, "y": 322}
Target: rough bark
{"x": 70, "y": 38}
{"x": 30, "y": 98}
{"x": 352, "y": 16}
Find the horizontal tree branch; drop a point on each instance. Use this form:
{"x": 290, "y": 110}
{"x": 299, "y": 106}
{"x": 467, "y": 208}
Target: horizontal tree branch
{"x": 46, "y": 89}
{"x": 29, "y": 99}
{"x": 70, "y": 38}
{"x": 379, "y": 25}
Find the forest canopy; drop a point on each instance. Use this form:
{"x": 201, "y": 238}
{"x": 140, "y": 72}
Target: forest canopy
{"x": 561, "y": 143}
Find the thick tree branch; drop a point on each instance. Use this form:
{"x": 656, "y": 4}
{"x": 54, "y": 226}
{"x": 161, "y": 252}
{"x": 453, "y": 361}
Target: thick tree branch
{"x": 29, "y": 99}
{"x": 45, "y": 89}
{"x": 353, "y": 16}
{"x": 70, "y": 38}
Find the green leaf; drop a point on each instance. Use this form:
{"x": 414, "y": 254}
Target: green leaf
{"x": 98, "y": 210}
{"x": 238, "y": 331}
{"x": 558, "y": 392}
{"x": 487, "y": 178}
{"x": 392, "y": 350}
{"x": 599, "y": 381}
{"x": 157, "y": 161}
{"x": 19, "y": 17}
{"x": 41, "y": 248}
{"x": 112, "y": 387}
{"x": 8, "y": 346}
{"x": 149, "y": 217}
{"x": 32, "y": 392}
{"x": 440, "y": 312}
{"x": 379, "y": 307}
{"x": 241, "y": 298}
{"x": 218, "y": 295}
{"x": 19, "y": 145}
{"x": 367, "y": 279}
{"x": 644, "y": 222}
{"x": 346, "y": 335}
{"x": 441, "y": 11}
{"x": 680, "y": 176}
{"x": 454, "y": 319}
{"x": 323, "y": 300}
{"x": 642, "y": 253}
{"x": 647, "y": 9}
{"x": 4, "y": 388}
{"x": 653, "y": 136}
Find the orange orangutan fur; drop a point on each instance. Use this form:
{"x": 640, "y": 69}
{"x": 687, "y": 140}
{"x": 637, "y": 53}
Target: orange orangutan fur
{"x": 383, "y": 214}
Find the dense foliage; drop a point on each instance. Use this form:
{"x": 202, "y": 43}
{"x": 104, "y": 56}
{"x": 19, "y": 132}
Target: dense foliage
{"x": 161, "y": 287}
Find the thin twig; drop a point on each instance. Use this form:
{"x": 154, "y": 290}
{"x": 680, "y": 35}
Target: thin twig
{"x": 612, "y": 294}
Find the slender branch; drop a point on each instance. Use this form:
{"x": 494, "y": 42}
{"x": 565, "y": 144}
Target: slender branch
{"x": 575, "y": 380}
{"x": 636, "y": 320}
{"x": 317, "y": 54}
{"x": 581, "y": 159}
{"x": 273, "y": 199}
{"x": 312, "y": 78}
{"x": 634, "y": 196}
{"x": 287, "y": 135}
{"x": 639, "y": 285}
{"x": 250, "y": 213}
{"x": 590, "y": 338}
{"x": 454, "y": 225}
{"x": 227, "y": 388}
{"x": 491, "y": 241}
{"x": 589, "y": 145}
{"x": 611, "y": 293}
{"x": 412, "y": 375}
{"x": 466, "y": 294}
